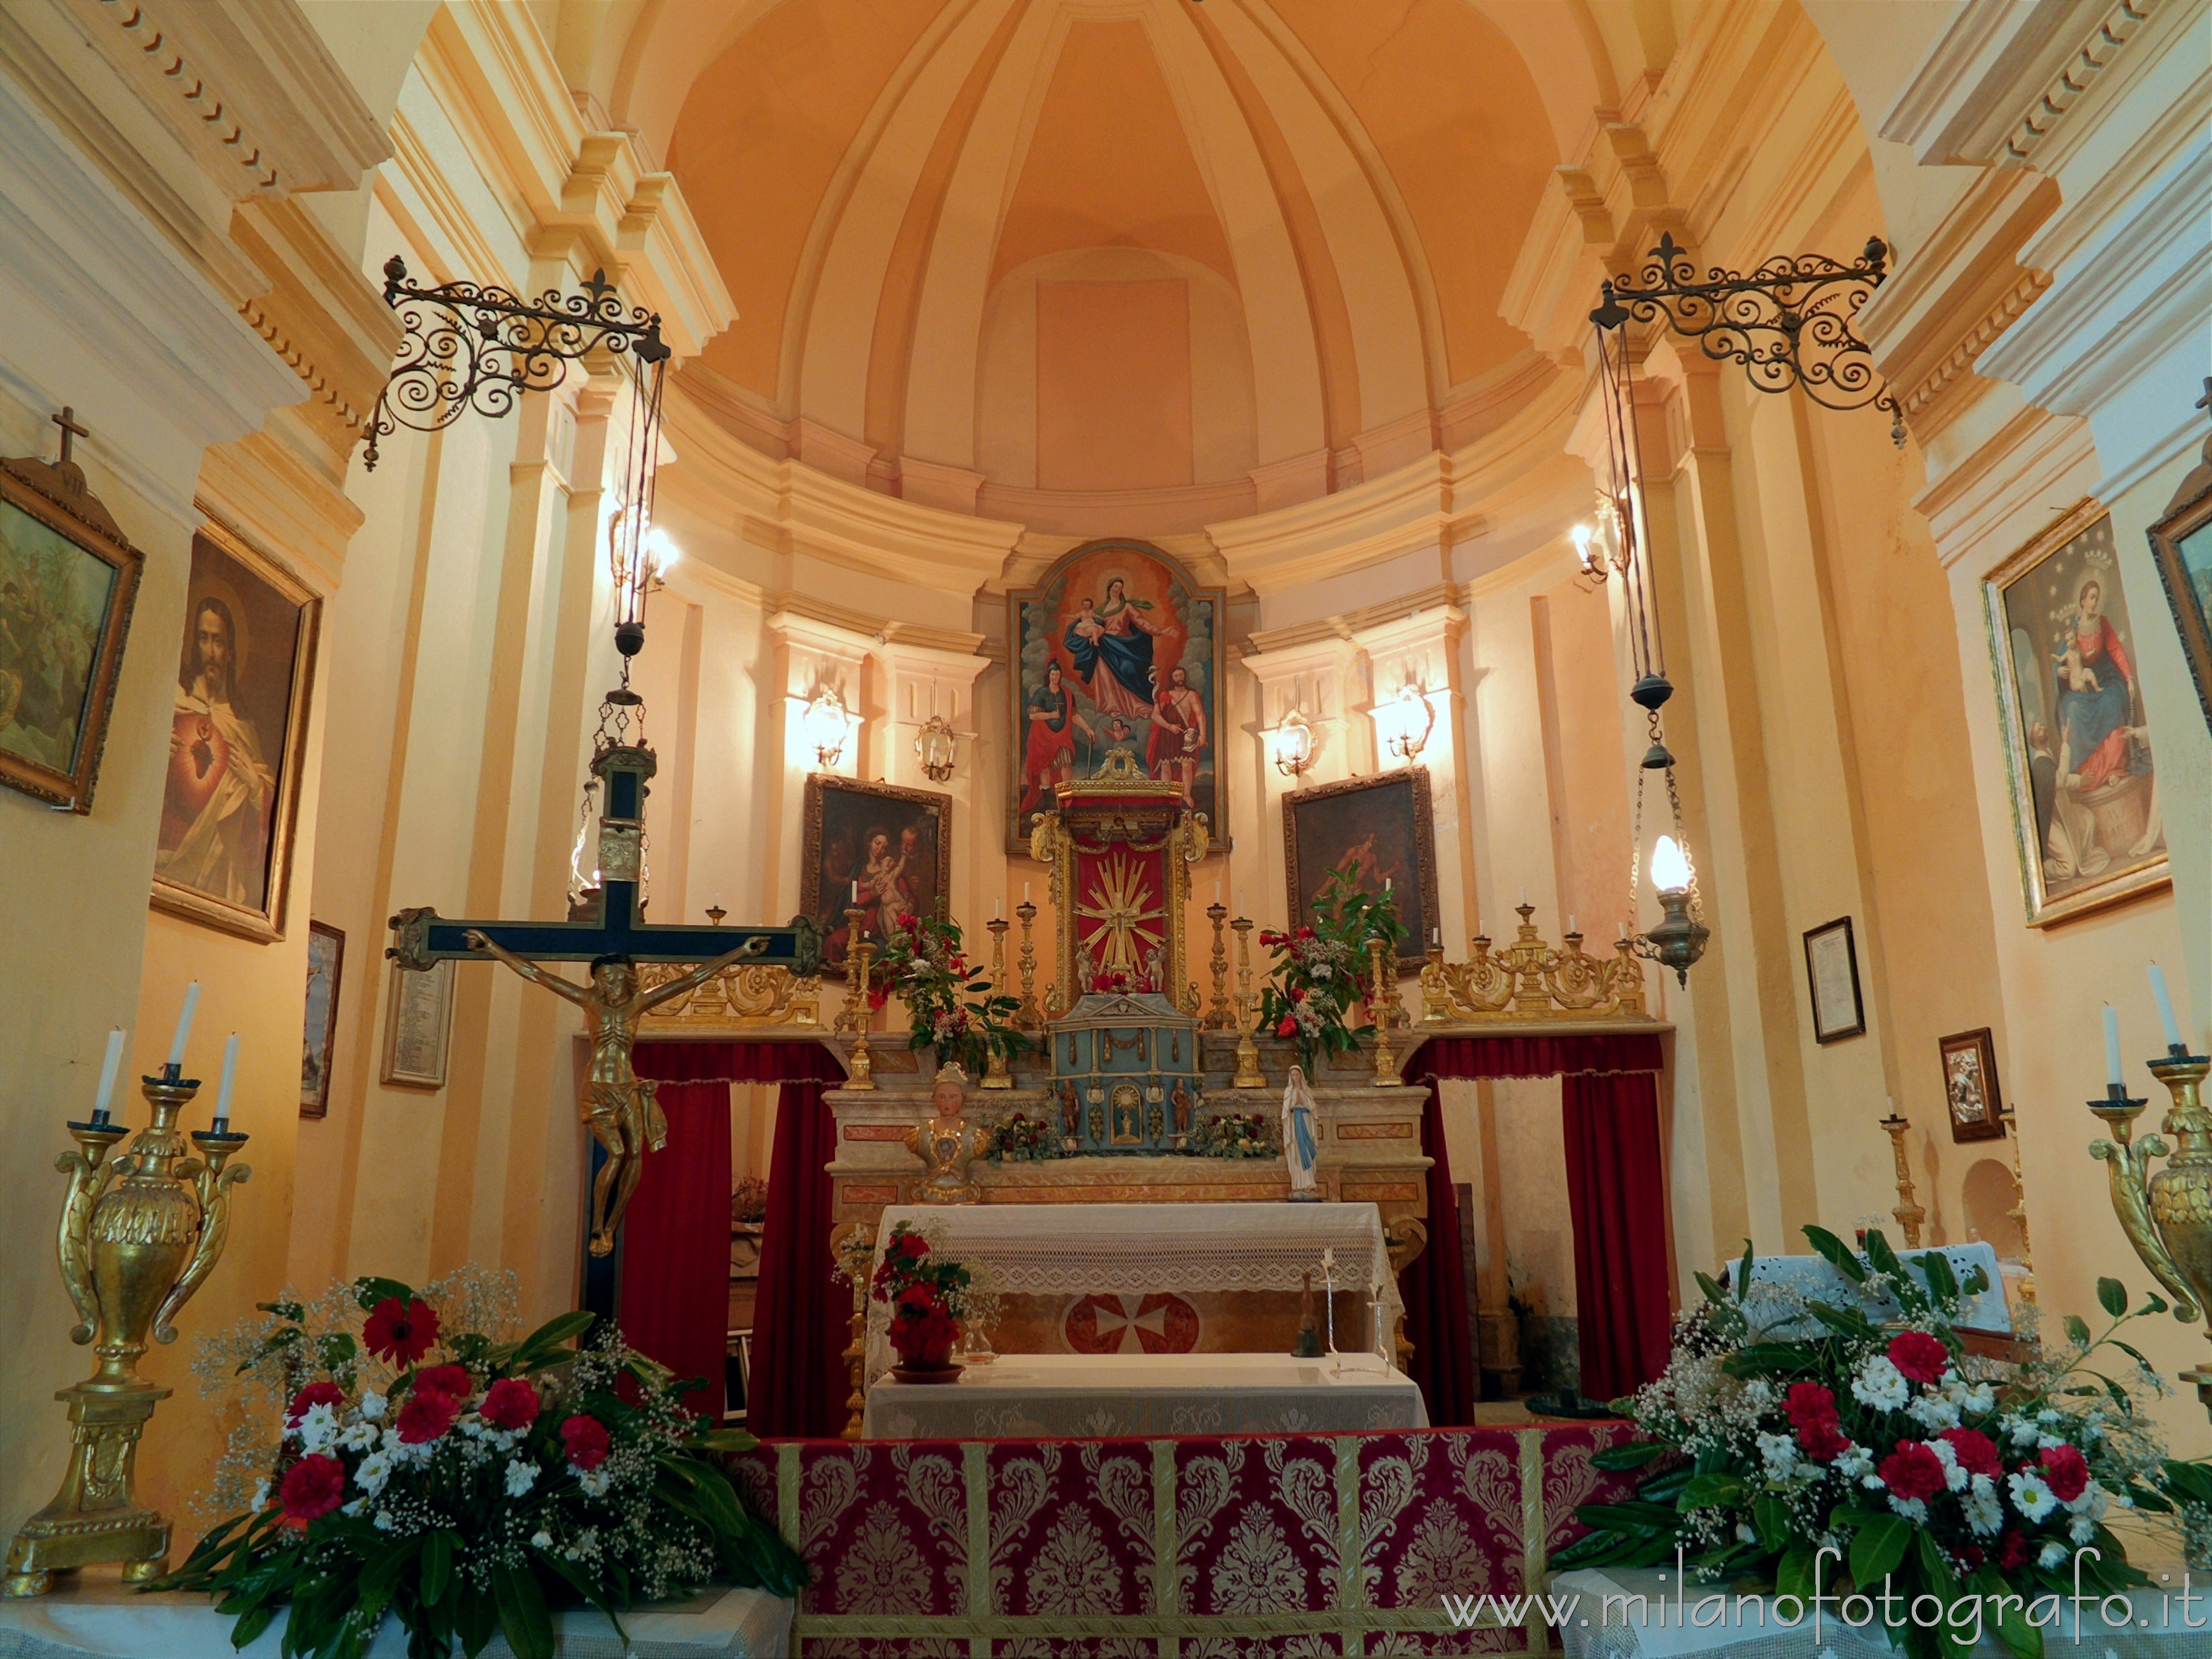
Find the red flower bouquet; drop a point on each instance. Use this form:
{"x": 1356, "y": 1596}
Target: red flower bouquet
{"x": 950, "y": 1003}
{"x": 1320, "y": 972}
{"x": 927, "y": 1295}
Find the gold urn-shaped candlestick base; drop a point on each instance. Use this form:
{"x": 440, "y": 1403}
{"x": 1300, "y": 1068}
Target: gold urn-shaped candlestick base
{"x": 139, "y": 1234}
{"x": 2167, "y": 1217}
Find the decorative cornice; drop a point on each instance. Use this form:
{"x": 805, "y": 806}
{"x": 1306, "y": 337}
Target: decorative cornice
{"x": 1440, "y": 599}
{"x": 1978, "y": 339}
{"x": 299, "y": 362}
{"x": 192, "y": 86}
{"x": 2114, "y": 30}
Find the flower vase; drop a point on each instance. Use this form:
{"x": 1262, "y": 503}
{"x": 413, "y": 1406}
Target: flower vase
{"x": 929, "y": 1367}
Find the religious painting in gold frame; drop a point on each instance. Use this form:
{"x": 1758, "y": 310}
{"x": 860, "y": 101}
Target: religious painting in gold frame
{"x": 2181, "y": 546}
{"x": 1385, "y": 826}
{"x": 68, "y": 581}
{"x": 238, "y": 738}
{"x": 2086, "y": 804}
{"x": 1973, "y": 1099}
{"x": 890, "y": 845}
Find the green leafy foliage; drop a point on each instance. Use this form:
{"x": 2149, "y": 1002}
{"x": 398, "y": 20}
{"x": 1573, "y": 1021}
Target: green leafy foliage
{"x": 1319, "y": 971}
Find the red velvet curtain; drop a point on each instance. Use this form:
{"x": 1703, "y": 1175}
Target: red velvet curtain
{"x": 1434, "y": 1285}
{"x": 1616, "y": 1192}
{"x": 799, "y": 1320}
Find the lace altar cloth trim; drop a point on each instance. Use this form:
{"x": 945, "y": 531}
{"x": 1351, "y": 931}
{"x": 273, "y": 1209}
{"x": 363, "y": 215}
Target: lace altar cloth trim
{"x": 1096, "y": 1249}
{"x": 1131, "y": 1548}
{"x": 1631, "y": 1627}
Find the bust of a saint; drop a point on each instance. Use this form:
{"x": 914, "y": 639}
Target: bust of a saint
{"x": 948, "y": 1143}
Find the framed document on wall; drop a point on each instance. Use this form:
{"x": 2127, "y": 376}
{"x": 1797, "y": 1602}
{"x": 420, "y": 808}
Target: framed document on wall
{"x": 1832, "y": 964}
{"x": 417, "y": 1022}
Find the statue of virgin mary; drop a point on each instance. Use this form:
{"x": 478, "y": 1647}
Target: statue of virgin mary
{"x": 1300, "y": 1148}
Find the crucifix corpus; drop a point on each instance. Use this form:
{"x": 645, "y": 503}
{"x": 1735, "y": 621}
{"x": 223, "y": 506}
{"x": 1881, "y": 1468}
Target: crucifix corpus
{"x": 618, "y": 1108}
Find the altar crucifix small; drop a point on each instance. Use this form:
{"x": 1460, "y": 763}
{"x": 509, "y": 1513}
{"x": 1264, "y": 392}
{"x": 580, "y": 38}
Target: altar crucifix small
{"x": 619, "y": 1109}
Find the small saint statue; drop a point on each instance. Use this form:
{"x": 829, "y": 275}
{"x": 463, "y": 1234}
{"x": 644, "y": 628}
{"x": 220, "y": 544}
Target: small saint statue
{"x": 948, "y": 1143}
{"x": 1186, "y": 1113}
{"x": 1300, "y": 1151}
{"x": 619, "y": 1108}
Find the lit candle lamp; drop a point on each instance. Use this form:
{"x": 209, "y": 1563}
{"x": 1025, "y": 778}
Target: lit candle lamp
{"x": 222, "y": 1124}
{"x": 184, "y": 1027}
{"x": 108, "y": 1068}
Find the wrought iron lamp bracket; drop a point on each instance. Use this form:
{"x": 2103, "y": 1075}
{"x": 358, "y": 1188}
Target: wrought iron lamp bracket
{"x": 469, "y": 346}
{"x": 1789, "y": 323}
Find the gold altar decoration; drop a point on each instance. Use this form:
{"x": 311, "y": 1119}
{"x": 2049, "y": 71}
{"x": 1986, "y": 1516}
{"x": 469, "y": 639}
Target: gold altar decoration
{"x": 1248, "y": 1075}
{"x": 2167, "y": 1216}
{"x": 853, "y": 1247}
{"x": 860, "y": 1065}
{"x": 1029, "y": 1017}
{"x": 995, "y": 1074}
{"x": 744, "y": 995}
{"x": 1384, "y": 1012}
{"x": 139, "y": 1232}
{"x": 1220, "y": 1012}
{"x": 1528, "y": 980}
{"x": 2018, "y": 1213}
{"x": 1909, "y": 1213}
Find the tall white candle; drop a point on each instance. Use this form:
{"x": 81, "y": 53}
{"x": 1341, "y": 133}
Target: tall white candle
{"x": 1025, "y": 892}
{"x": 1216, "y": 892}
{"x": 1571, "y": 924}
{"x": 2165, "y": 1000}
{"x": 856, "y": 892}
{"x": 1386, "y": 884}
{"x": 229, "y": 1075}
{"x": 108, "y": 1068}
{"x": 184, "y": 1024}
{"x": 2113, "y": 1075}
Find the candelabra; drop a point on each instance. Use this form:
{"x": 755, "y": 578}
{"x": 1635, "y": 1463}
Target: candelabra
{"x": 1029, "y": 1017}
{"x": 995, "y": 1074}
{"x": 2167, "y": 1217}
{"x": 1248, "y": 1052}
{"x": 139, "y": 1234}
{"x": 2018, "y": 1211}
{"x": 860, "y": 1065}
{"x": 1220, "y": 1013}
{"x": 1908, "y": 1212}
{"x": 1382, "y": 1009}
{"x": 854, "y": 1251}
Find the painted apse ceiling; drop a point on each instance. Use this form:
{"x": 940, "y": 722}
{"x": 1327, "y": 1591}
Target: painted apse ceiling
{"x": 1211, "y": 257}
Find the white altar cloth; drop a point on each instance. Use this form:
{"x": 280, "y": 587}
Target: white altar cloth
{"x": 1815, "y": 1278}
{"x": 1020, "y": 1395}
{"x": 97, "y": 1617}
{"x": 1098, "y": 1249}
{"x": 2157, "y": 1626}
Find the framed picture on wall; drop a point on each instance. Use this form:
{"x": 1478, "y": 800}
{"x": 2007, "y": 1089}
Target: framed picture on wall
{"x": 418, "y": 1022}
{"x": 1117, "y": 647}
{"x": 325, "y": 962}
{"x": 882, "y": 849}
{"x": 2181, "y": 546}
{"x": 238, "y": 734}
{"x": 67, "y": 582}
{"x": 1970, "y": 1086}
{"x": 1384, "y": 826}
{"x": 1831, "y": 965}
{"x": 2086, "y": 805}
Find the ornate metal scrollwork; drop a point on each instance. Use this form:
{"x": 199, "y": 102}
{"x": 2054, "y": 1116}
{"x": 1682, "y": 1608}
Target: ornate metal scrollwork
{"x": 1789, "y": 323}
{"x": 471, "y": 346}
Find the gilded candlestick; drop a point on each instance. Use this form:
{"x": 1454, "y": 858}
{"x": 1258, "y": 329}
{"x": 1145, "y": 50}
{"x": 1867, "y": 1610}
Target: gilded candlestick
{"x": 1248, "y": 1052}
{"x": 1220, "y": 1013}
{"x": 995, "y": 1074}
{"x": 1382, "y": 1009}
{"x": 1908, "y": 1212}
{"x": 139, "y": 1234}
{"x": 1029, "y": 1017}
{"x": 2018, "y": 1211}
{"x": 860, "y": 1065}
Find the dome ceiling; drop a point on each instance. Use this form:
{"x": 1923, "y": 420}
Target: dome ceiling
{"x": 1228, "y": 253}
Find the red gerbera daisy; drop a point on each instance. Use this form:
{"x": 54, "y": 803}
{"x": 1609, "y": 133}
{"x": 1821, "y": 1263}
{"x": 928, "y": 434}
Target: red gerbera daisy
{"x": 400, "y": 1332}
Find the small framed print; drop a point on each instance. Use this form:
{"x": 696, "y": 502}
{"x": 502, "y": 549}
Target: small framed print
{"x": 417, "y": 1022}
{"x": 1970, "y": 1086}
{"x": 326, "y": 960}
{"x": 1832, "y": 964}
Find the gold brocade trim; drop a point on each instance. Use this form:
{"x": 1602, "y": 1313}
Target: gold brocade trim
{"x": 877, "y": 1130}
{"x": 1378, "y": 1192}
{"x": 1351, "y": 1551}
{"x": 1534, "y": 1555}
{"x": 975, "y": 1475}
{"x": 1167, "y": 1544}
{"x": 1374, "y": 1132}
{"x": 854, "y": 1193}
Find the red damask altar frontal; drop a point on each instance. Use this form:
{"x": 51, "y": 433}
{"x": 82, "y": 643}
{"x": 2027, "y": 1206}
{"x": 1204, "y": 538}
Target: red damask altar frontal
{"x": 1296, "y": 1545}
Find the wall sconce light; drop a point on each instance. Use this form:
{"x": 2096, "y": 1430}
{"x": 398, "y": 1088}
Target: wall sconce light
{"x": 1293, "y": 745}
{"x": 1404, "y": 723}
{"x": 826, "y": 725}
{"x": 934, "y": 746}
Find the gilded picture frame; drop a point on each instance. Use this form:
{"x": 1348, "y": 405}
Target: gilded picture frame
{"x": 1387, "y": 825}
{"x": 1973, "y": 1099}
{"x": 1117, "y": 646}
{"x": 892, "y": 844}
{"x": 319, "y": 1039}
{"x": 2079, "y": 757}
{"x": 238, "y": 738}
{"x": 2181, "y": 547}
{"x": 69, "y": 581}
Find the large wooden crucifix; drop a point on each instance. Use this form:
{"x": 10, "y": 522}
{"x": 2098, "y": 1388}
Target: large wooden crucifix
{"x": 618, "y": 1108}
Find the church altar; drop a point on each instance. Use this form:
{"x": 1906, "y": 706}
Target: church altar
{"x": 1056, "y": 1396}
{"x": 98, "y": 1617}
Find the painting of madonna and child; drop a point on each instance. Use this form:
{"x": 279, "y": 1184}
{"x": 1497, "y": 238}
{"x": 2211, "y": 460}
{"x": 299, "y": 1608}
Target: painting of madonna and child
{"x": 2086, "y": 799}
{"x": 1119, "y": 649}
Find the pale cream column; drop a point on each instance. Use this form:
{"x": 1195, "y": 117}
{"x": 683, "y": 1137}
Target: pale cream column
{"x": 913, "y": 674}
{"x": 809, "y": 654}
{"x": 1421, "y": 651}
{"x": 1307, "y": 670}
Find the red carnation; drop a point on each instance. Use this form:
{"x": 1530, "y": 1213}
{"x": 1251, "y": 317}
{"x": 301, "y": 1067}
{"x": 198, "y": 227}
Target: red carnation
{"x": 426, "y": 1417}
{"x": 912, "y": 1246}
{"x": 1919, "y": 1355}
{"x": 1823, "y": 1442}
{"x": 511, "y": 1403}
{"x": 1977, "y": 1452}
{"x": 586, "y": 1439}
{"x": 400, "y": 1332}
{"x": 314, "y": 1395}
{"x": 313, "y": 1487}
{"x": 2012, "y": 1551}
{"x": 1810, "y": 1405}
{"x": 915, "y": 1300}
{"x": 1305, "y": 932}
{"x": 1912, "y": 1471}
{"x": 451, "y": 1380}
{"x": 2066, "y": 1472}
{"x": 906, "y": 918}
{"x": 933, "y": 1330}
{"x": 1286, "y": 1027}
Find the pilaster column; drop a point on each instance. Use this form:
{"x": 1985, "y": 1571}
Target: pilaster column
{"x": 1420, "y": 653}
{"x": 911, "y": 677}
{"x": 807, "y": 656}
{"x": 1311, "y": 673}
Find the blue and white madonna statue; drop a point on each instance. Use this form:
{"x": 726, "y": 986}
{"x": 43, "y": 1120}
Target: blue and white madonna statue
{"x": 1299, "y": 1153}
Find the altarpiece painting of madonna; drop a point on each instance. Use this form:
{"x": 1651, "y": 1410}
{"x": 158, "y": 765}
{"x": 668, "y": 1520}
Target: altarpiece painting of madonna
{"x": 1118, "y": 648}
{"x": 2085, "y": 795}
